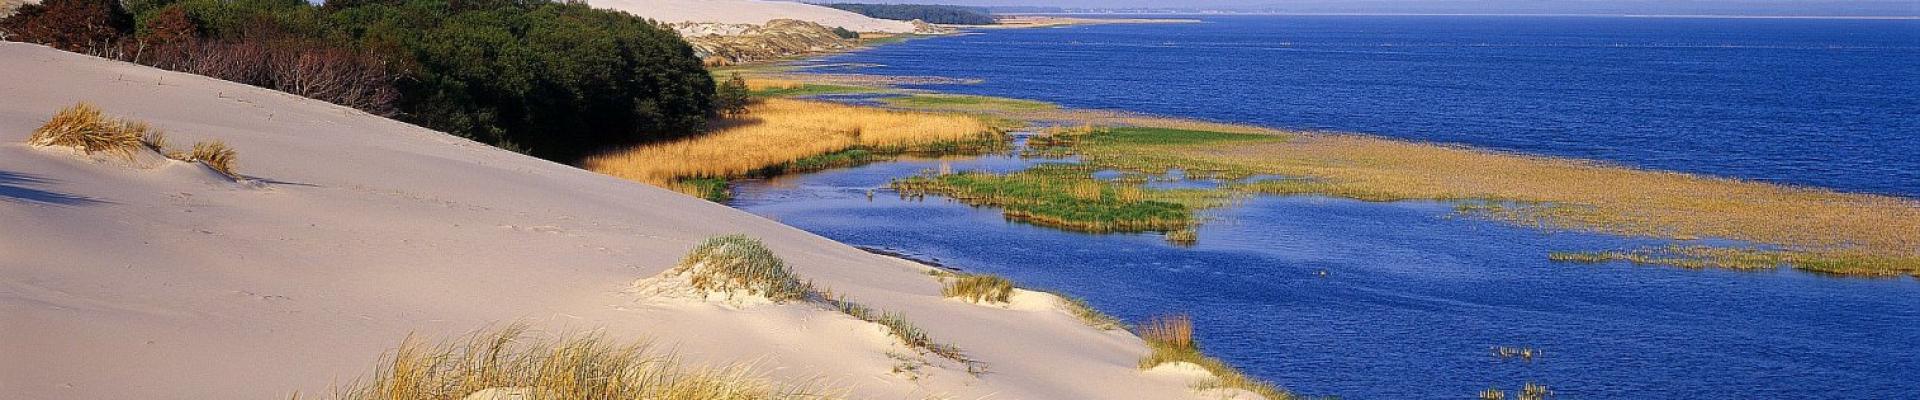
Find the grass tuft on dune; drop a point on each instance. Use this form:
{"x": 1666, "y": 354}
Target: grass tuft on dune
{"x": 1171, "y": 340}
{"x": 507, "y": 364}
{"x": 731, "y": 263}
{"x": 83, "y": 126}
{"x": 978, "y": 288}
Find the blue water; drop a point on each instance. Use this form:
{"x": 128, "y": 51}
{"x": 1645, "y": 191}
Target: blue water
{"x": 1415, "y": 298}
{"x": 1831, "y": 103}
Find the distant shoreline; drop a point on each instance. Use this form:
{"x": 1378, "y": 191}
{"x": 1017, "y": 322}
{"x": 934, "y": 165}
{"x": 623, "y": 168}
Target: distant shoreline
{"x": 1673, "y": 16}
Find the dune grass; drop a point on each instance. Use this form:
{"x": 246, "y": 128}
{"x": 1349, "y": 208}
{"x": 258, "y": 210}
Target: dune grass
{"x": 508, "y": 362}
{"x": 978, "y": 288}
{"x": 779, "y": 132}
{"x": 214, "y": 154}
{"x": 1170, "y": 339}
{"x": 741, "y": 263}
{"x": 83, "y": 126}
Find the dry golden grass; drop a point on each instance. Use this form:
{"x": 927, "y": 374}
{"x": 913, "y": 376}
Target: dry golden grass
{"x": 780, "y": 131}
{"x": 82, "y": 126}
{"x": 506, "y": 362}
{"x": 978, "y": 288}
{"x": 214, "y": 154}
{"x": 761, "y": 83}
{"x": 1571, "y": 194}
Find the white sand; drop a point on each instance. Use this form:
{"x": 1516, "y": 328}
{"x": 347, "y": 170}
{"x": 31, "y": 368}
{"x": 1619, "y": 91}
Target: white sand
{"x": 170, "y": 283}
{"x": 751, "y": 12}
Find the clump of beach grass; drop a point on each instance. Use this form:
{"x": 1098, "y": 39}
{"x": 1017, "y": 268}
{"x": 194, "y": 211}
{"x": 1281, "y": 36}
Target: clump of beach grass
{"x": 778, "y": 132}
{"x": 1170, "y": 340}
{"x": 978, "y": 288}
{"x": 739, "y": 263}
{"x": 214, "y": 154}
{"x": 83, "y": 126}
{"x": 508, "y": 362}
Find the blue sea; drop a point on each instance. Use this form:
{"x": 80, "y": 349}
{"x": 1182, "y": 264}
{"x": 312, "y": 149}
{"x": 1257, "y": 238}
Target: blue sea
{"x": 1830, "y": 103}
{"x": 1414, "y": 298}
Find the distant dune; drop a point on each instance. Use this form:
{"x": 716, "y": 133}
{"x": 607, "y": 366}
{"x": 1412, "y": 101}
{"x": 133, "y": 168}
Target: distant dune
{"x": 158, "y": 279}
{"x": 751, "y": 12}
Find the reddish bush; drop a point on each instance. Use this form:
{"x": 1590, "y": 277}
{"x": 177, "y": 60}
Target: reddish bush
{"x": 81, "y": 26}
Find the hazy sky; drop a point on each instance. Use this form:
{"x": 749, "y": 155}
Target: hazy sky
{"x": 1757, "y": 7}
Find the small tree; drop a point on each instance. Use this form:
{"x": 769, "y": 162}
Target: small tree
{"x": 733, "y": 96}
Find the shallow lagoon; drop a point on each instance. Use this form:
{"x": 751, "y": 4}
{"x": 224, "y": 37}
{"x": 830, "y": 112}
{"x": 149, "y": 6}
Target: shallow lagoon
{"x": 1414, "y": 298}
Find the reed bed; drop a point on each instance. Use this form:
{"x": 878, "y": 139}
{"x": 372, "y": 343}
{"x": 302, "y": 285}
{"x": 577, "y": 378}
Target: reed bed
{"x": 508, "y": 363}
{"x": 776, "y": 132}
{"x": 733, "y": 263}
{"x": 1816, "y": 229}
{"x": 1170, "y": 339}
{"x": 966, "y": 103}
{"x": 978, "y": 288}
{"x": 1067, "y": 197}
{"x": 1852, "y": 263}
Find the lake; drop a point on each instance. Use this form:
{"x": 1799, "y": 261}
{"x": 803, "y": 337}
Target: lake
{"x": 1414, "y": 297}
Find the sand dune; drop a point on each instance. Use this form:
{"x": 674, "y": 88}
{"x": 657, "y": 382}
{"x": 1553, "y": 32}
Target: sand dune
{"x": 121, "y": 281}
{"x": 751, "y": 12}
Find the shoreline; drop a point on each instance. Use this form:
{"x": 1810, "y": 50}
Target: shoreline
{"x": 1858, "y": 253}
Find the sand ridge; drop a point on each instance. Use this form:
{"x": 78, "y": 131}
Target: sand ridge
{"x": 120, "y": 282}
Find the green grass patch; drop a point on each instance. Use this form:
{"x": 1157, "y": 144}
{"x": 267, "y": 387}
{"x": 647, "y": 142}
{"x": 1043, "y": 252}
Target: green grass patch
{"x": 1750, "y": 259}
{"x": 713, "y": 189}
{"x": 739, "y": 263}
{"x": 952, "y": 102}
{"x": 813, "y": 89}
{"x": 1066, "y": 196}
{"x": 1170, "y": 137}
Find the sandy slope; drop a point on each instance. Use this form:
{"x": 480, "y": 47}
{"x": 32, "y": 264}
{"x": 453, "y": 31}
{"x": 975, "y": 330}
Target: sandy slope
{"x": 168, "y": 282}
{"x": 751, "y": 12}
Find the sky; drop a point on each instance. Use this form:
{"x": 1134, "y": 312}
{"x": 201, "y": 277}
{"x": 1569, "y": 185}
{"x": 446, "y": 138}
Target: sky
{"x": 1715, "y": 7}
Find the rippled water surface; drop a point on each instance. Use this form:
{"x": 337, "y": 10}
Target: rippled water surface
{"x": 1414, "y": 298}
{"x": 1833, "y": 103}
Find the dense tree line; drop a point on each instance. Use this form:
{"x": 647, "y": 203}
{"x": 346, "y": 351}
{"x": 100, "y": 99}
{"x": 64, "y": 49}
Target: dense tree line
{"x": 557, "y": 80}
{"x": 954, "y": 15}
